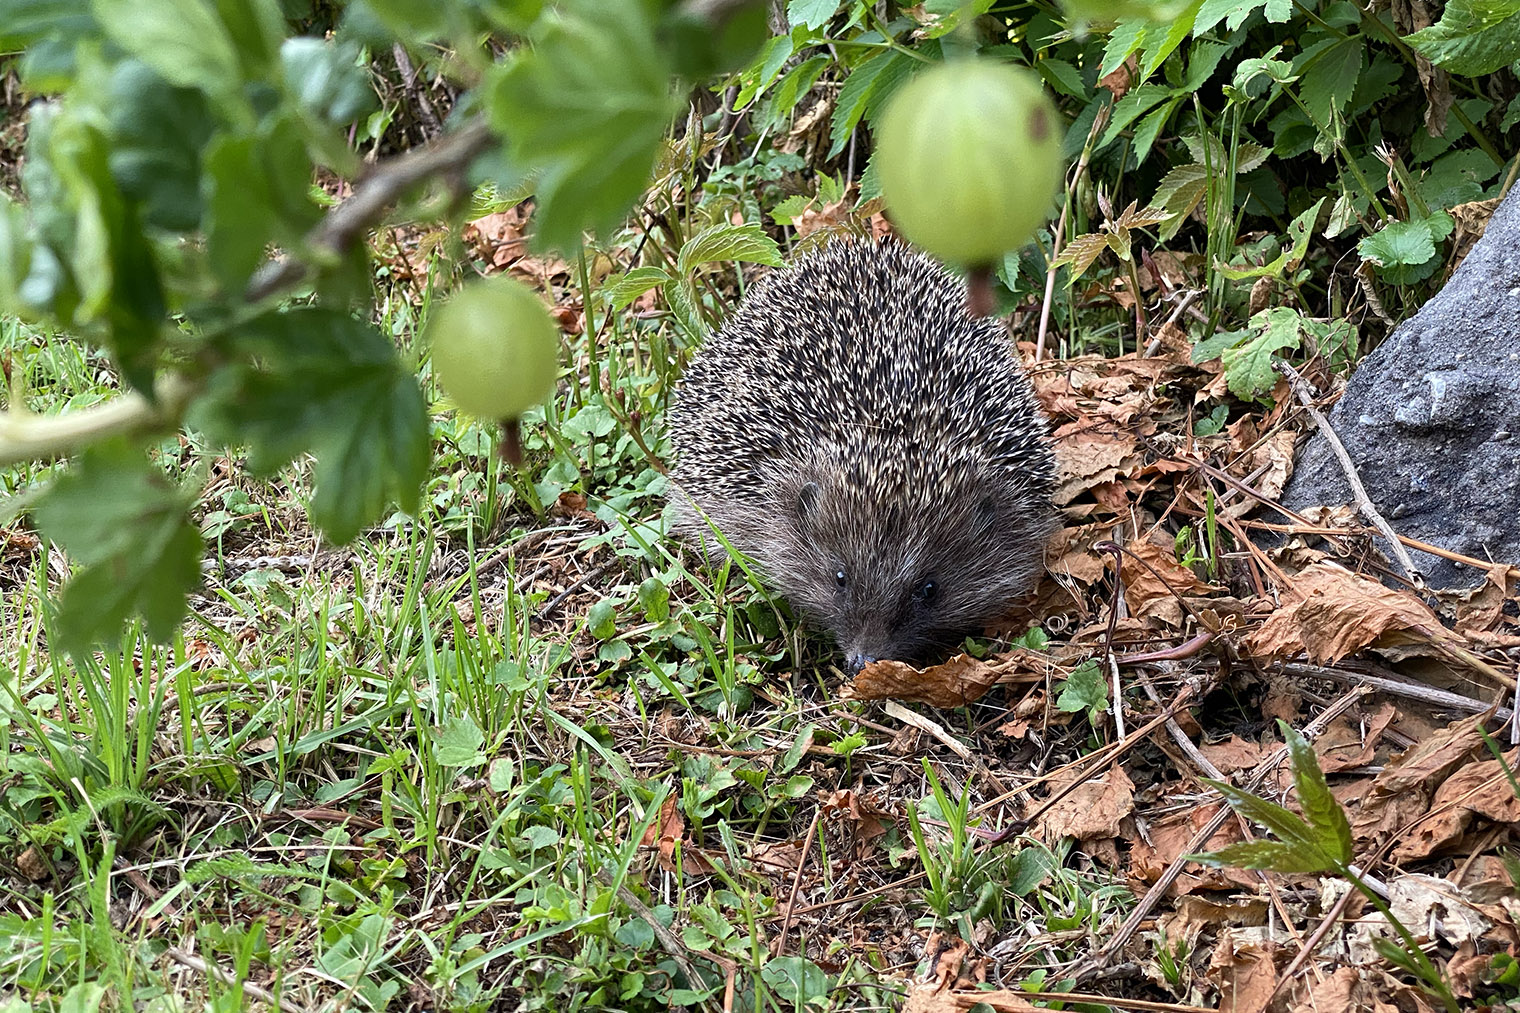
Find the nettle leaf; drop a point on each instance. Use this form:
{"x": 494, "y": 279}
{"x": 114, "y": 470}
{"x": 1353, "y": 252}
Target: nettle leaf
{"x": 184, "y": 40}
{"x": 1128, "y": 35}
{"x": 866, "y": 87}
{"x": 587, "y": 106}
{"x": 748, "y": 243}
{"x": 127, "y": 526}
{"x": 333, "y": 386}
{"x": 1473, "y": 37}
{"x": 1326, "y": 819}
{"x": 258, "y": 194}
{"x": 1080, "y": 252}
{"x": 157, "y": 132}
{"x": 1328, "y": 73}
{"x": 635, "y": 283}
{"x": 1248, "y": 366}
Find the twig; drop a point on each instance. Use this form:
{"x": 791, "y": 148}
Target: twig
{"x": 1396, "y": 687}
{"x": 779, "y": 946}
{"x": 1305, "y": 396}
{"x": 677, "y": 950}
{"x": 1099, "y": 122}
{"x": 554, "y": 603}
{"x": 210, "y": 970}
{"x": 25, "y": 436}
{"x": 343, "y": 226}
{"x": 928, "y": 727}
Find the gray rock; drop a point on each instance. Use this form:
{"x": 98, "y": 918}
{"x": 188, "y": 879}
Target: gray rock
{"x": 1432, "y": 417}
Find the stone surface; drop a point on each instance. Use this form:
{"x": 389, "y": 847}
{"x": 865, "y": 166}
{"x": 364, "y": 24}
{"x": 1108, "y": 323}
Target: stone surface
{"x": 1432, "y": 417}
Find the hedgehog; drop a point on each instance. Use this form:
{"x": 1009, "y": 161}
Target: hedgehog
{"x": 874, "y": 448}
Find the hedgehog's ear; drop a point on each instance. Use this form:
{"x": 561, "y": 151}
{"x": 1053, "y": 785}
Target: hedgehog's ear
{"x": 807, "y": 501}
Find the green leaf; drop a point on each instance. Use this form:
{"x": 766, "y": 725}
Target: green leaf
{"x": 628, "y": 287}
{"x": 458, "y": 742}
{"x": 127, "y": 526}
{"x": 334, "y": 386}
{"x": 601, "y": 619}
{"x": 1085, "y": 690}
{"x": 1324, "y": 814}
{"x": 1182, "y": 188}
{"x": 184, "y": 40}
{"x": 812, "y": 13}
{"x": 867, "y": 85}
{"x": 15, "y": 255}
{"x": 795, "y": 981}
{"x": 1272, "y": 856}
{"x": 157, "y": 133}
{"x": 258, "y": 194}
{"x": 1214, "y": 346}
{"x": 1328, "y": 73}
{"x": 1248, "y": 366}
{"x": 588, "y": 106}
{"x": 1405, "y": 252}
{"x": 1128, "y": 35}
{"x": 1457, "y": 178}
{"x": 1473, "y": 37}
{"x": 1063, "y": 77}
{"x": 327, "y": 79}
{"x": 1299, "y": 231}
{"x": 1289, "y": 827}
{"x": 1159, "y": 48}
{"x": 654, "y": 599}
{"x": 747, "y": 243}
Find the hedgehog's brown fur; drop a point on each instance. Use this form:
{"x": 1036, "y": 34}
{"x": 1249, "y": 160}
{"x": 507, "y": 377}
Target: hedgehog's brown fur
{"x": 860, "y": 436}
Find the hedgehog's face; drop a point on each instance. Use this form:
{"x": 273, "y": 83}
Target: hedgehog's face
{"x": 907, "y": 584}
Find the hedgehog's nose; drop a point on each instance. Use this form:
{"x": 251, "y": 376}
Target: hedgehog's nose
{"x": 857, "y": 660}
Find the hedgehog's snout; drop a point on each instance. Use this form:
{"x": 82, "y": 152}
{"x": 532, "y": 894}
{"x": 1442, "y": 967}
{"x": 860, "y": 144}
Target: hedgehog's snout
{"x": 857, "y": 659}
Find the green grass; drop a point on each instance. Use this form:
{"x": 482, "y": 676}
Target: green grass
{"x": 419, "y": 769}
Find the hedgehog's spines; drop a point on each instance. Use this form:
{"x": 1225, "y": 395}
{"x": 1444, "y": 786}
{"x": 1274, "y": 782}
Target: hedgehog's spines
{"x": 857, "y": 372}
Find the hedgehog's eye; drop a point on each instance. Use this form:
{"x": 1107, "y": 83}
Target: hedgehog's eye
{"x": 927, "y": 591}
{"x": 840, "y": 578}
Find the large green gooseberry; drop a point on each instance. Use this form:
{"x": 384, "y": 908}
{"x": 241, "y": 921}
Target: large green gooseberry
{"x": 495, "y": 348}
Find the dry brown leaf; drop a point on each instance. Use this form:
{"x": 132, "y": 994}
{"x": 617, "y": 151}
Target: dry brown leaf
{"x": 1338, "y": 613}
{"x": 1244, "y": 971}
{"x": 32, "y": 865}
{"x": 1345, "y": 991}
{"x": 1194, "y": 915}
{"x": 1401, "y": 793}
{"x": 1093, "y": 810}
{"x": 848, "y": 807}
{"x": 1171, "y": 837}
{"x": 1234, "y": 753}
{"x": 1483, "y": 608}
{"x": 778, "y": 858}
{"x": 928, "y": 998}
{"x": 1085, "y": 457}
{"x": 667, "y": 832}
{"x": 1151, "y": 590}
{"x": 959, "y": 681}
{"x": 1343, "y": 745}
{"x": 1476, "y": 790}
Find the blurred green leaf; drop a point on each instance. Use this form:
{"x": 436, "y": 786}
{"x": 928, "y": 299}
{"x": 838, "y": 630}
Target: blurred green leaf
{"x": 259, "y": 194}
{"x": 127, "y": 526}
{"x": 158, "y": 132}
{"x": 333, "y": 386}
{"x": 1326, "y": 819}
{"x": 587, "y": 106}
{"x": 184, "y": 40}
{"x": 327, "y": 80}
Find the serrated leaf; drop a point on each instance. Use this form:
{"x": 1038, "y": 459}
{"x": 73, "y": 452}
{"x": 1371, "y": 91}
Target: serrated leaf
{"x": 1328, "y": 73}
{"x": 1182, "y": 188}
{"x": 1147, "y": 130}
{"x": 881, "y": 73}
{"x": 1214, "y": 345}
{"x": 588, "y": 107}
{"x": 1457, "y": 178}
{"x": 1271, "y": 856}
{"x": 1131, "y": 218}
{"x": 1080, "y": 252}
{"x": 1473, "y": 37}
{"x": 812, "y": 13}
{"x": 1133, "y": 105}
{"x": 1248, "y": 366}
{"x": 1324, "y": 814}
{"x": 1214, "y": 11}
{"x": 332, "y": 386}
{"x": 1398, "y": 244}
{"x": 184, "y": 40}
{"x": 1062, "y": 76}
{"x": 458, "y": 742}
{"x": 1158, "y": 49}
{"x": 635, "y": 283}
{"x": 747, "y": 243}
{"x": 1299, "y": 231}
{"x": 128, "y": 527}
{"x": 1128, "y": 35}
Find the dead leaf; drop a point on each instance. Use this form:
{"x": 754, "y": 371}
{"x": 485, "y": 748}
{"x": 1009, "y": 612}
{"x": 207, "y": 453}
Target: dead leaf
{"x": 1339, "y": 613}
{"x": 1233, "y": 754}
{"x": 1345, "y": 989}
{"x": 1171, "y": 838}
{"x": 1401, "y": 793}
{"x": 32, "y": 865}
{"x": 1093, "y": 810}
{"x": 929, "y": 998}
{"x": 1151, "y": 585}
{"x": 1476, "y": 790}
{"x": 666, "y": 833}
{"x": 959, "y": 681}
{"x": 1244, "y": 971}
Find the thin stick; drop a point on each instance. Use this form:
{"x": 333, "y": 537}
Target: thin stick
{"x": 1099, "y": 122}
{"x": 210, "y": 970}
{"x": 1306, "y": 395}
